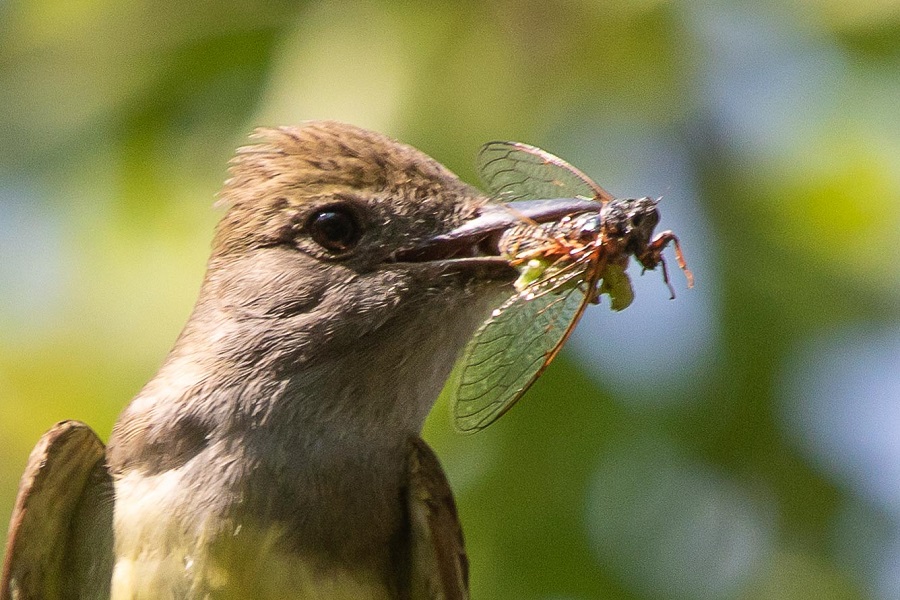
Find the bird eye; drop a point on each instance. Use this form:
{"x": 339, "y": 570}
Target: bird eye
{"x": 334, "y": 228}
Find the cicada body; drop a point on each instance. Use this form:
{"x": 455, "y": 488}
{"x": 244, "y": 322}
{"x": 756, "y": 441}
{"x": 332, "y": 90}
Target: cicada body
{"x": 564, "y": 266}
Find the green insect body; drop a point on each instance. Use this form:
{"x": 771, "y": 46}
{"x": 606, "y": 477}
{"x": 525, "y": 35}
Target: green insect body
{"x": 617, "y": 285}
{"x": 530, "y": 272}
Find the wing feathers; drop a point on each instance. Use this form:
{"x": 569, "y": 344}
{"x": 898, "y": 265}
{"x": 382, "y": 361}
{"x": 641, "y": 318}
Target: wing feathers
{"x": 65, "y": 484}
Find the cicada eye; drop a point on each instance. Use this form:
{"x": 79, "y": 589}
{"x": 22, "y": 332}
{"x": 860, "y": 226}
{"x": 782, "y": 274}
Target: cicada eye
{"x": 643, "y": 214}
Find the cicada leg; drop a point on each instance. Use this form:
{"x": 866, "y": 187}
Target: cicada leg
{"x": 653, "y": 256}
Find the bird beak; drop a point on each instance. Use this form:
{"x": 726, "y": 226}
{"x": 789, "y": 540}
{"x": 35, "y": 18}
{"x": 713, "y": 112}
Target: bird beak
{"x": 476, "y": 240}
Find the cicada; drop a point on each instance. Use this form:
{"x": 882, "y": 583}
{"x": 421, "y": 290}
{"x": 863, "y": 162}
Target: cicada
{"x": 564, "y": 266}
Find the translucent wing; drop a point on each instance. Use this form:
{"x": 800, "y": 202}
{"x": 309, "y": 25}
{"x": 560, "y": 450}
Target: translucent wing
{"x": 510, "y": 351}
{"x": 516, "y": 171}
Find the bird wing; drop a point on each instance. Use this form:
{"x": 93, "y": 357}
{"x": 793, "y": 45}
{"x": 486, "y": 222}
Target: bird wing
{"x": 439, "y": 567}
{"x": 60, "y": 534}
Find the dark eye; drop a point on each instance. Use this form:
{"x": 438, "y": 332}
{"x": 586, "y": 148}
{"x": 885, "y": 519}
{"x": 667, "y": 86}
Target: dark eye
{"x": 647, "y": 220}
{"x": 335, "y": 228}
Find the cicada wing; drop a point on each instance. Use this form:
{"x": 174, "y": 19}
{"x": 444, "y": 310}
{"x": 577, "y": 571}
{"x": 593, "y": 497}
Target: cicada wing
{"x": 517, "y": 171}
{"x": 509, "y": 352}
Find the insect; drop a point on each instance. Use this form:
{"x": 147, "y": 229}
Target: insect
{"x": 564, "y": 266}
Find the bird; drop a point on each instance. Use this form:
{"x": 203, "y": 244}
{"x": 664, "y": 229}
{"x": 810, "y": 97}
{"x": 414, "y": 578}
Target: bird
{"x": 277, "y": 452}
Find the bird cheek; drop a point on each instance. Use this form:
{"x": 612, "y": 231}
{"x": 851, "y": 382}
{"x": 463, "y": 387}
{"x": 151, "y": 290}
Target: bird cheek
{"x": 272, "y": 282}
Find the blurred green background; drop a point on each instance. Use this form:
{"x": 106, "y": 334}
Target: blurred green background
{"x": 742, "y": 441}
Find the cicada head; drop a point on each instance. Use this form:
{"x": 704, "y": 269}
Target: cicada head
{"x": 641, "y": 221}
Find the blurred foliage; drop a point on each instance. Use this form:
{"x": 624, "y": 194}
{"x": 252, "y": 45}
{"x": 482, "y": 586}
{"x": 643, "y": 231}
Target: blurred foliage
{"x": 119, "y": 118}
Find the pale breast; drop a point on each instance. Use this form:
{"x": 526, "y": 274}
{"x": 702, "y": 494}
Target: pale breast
{"x": 157, "y": 559}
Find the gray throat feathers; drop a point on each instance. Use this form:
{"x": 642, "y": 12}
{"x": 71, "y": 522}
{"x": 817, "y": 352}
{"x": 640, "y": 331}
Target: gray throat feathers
{"x": 313, "y": 444}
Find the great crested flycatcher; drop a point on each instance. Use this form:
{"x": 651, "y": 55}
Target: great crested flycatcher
{"x": 276, "y": 453}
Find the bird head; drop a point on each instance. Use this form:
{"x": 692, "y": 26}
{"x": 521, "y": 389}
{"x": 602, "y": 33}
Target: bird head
{"x": 346, "y": 275}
